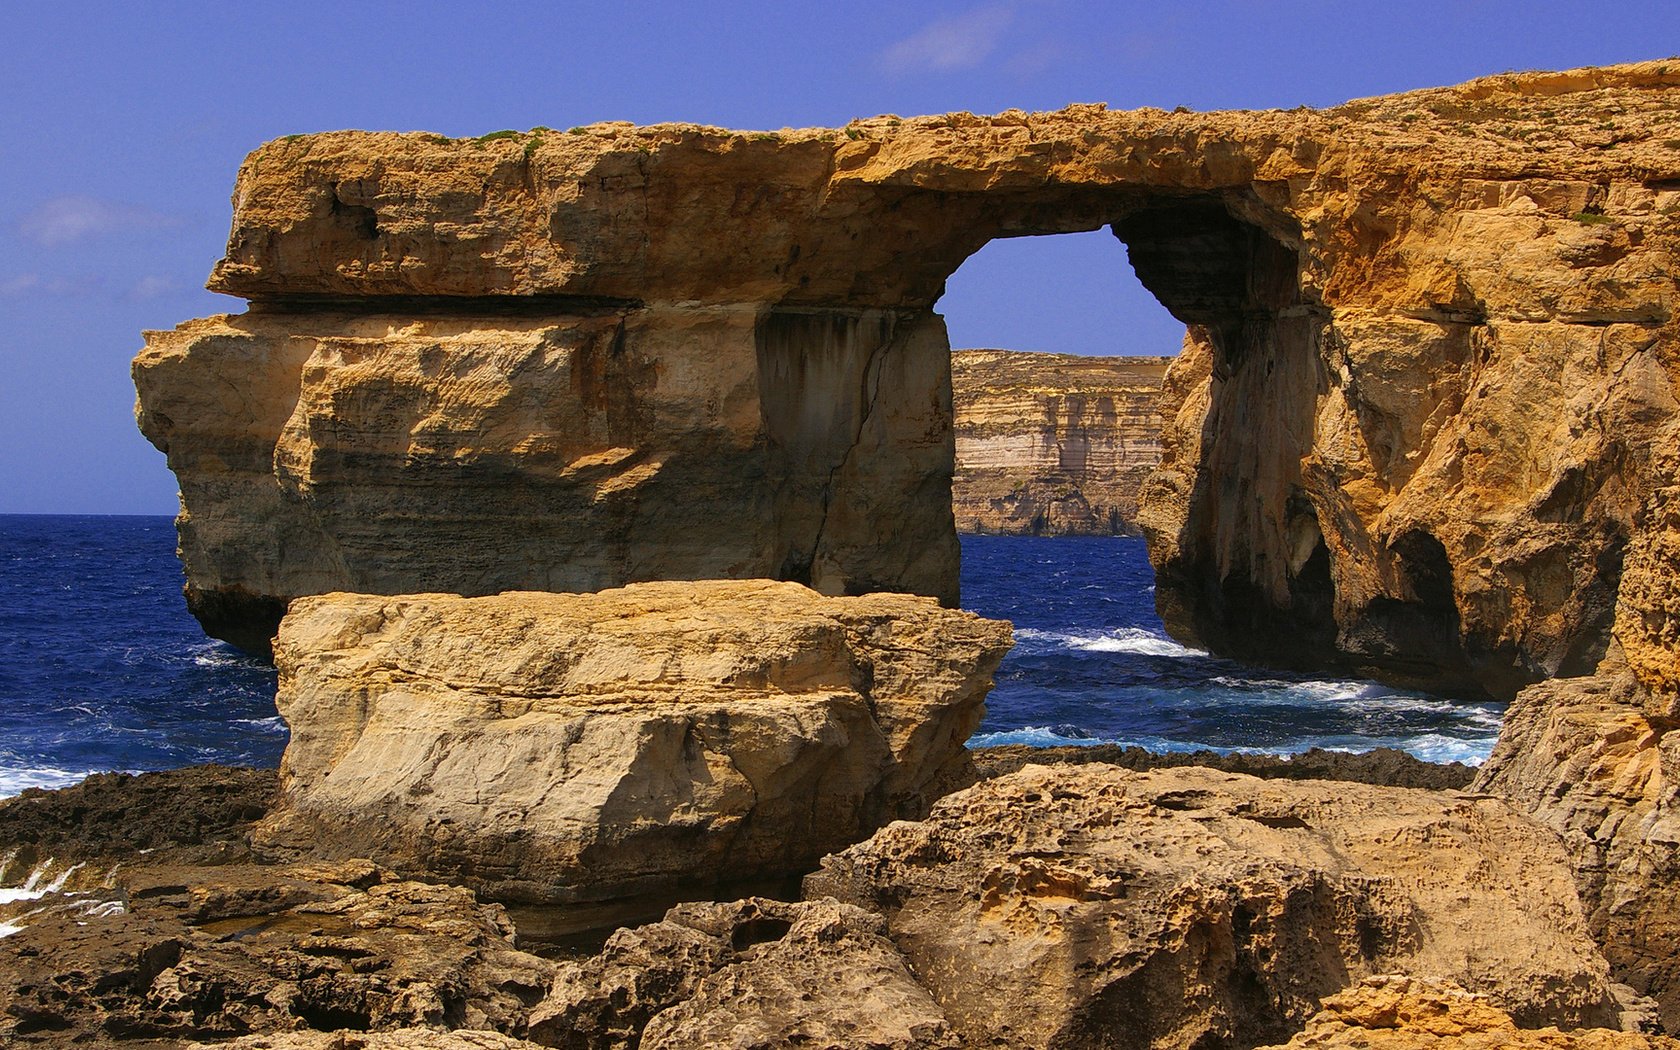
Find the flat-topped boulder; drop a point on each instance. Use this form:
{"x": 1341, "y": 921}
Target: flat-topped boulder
{"x": 656, "y": 738}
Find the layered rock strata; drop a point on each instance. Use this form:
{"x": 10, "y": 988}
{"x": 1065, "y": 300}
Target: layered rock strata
{"x": 390, "y": 447}
{"x": 1056, "y": 906}
{"x": 1433, "y": 350}
{"x": 554, "y": 747}
{"x": 1053, "y": 444}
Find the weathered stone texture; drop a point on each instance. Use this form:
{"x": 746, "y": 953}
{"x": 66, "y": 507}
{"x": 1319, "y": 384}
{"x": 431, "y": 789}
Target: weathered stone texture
{"x": 1053, "y": 444}
{"x": 1058, "y": 905}
{"x": 555, "y": 747}
{"x": 1597, "y": 760}
{"x": 1405, "y": 1013}
{"x": 391, "y": 453}
{"x": 753, "y": 973}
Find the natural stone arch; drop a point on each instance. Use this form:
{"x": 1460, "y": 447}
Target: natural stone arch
{"x": 620, "y": 322}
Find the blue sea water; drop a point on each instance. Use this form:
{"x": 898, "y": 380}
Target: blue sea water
{"x": 1092, "y": 664}
{"x": 102, "y": 668}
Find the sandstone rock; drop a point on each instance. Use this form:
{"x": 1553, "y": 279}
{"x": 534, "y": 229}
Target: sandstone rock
{"x": 1431, "y": 353}
{"x": 1195, "y": 908}
{"x": 1598, "y": 761}
{"x": 400, "y": 1039}
{"x": 1402, "y": 1013}
{"x": 568, "y": 747}
{"x": 754, "y": 973}
{"x": 1052, "y": 444}
{"x": 392, "y": 452}
{"x": 216, "y": 952}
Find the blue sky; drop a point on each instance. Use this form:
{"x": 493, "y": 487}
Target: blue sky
{"x": 123, "y": 125}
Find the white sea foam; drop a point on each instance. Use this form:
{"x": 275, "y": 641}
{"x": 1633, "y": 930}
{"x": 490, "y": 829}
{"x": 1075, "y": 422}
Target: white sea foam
{"x": 15, "y": 781}
{"x": 1120, "y": 640}
{"x": 1429, "y": 747}
{"x": 218, "y": 654}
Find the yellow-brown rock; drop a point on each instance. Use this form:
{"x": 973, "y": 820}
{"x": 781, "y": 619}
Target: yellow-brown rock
{"x": 476, "y": 452}
{"x": 1053, "y": 444}
{"x": 653, "y": 739}
{"x": 1432, "y": 349}
{"x": 1403, "y": 1013}
{"x": 1597, "y": 760}
{"x": 1055, "y": 906}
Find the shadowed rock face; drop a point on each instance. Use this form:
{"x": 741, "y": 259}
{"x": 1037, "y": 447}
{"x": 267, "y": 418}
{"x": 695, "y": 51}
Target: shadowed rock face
{"x": 1431, "y": 349}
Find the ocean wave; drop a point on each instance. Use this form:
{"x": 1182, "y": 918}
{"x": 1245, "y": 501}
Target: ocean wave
{"x": 16, "y": 781}
{"x": 220, "y": 654}
{"x": 275, "y": 724}
{"x": 1429, "y": 747}
{"x": 1119, "y": 640}
{"x": 1036, "y": 736}
{"x": 1366, "y": 698}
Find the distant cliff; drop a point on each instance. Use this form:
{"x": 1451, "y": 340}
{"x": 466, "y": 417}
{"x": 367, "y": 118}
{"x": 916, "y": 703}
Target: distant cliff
{"x": 1053, "y": 444}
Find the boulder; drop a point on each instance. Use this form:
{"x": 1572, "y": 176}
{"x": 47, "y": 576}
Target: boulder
{"x": 1597, "y": 760}
{"x": 1056, "y": 906}
{"x": 753, "y": 973}
{"x": 657, "y": 738}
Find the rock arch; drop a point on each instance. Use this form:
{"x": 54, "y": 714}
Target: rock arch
{"x": 571, "y": 359}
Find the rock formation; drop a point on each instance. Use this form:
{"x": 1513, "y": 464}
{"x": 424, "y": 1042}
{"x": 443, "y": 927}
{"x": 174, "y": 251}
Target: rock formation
{"x": 751, "y": 973}
{"x": 222, "y": 951}
{"x": 1597, "y": 761}
{"x": 1424, "y": 426}
{"x": 1053, "y": 444}
{"x": 1194, "y": 908}
{"x": 1402, "y": 1013}
{"x": 1432, "y": 353}
{"x": 565, "y": 747}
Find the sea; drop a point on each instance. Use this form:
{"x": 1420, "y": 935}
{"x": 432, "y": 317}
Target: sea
{"x": 102, "y": 668}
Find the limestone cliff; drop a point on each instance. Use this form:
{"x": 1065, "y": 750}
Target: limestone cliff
{"x": 1433, "y": 351}
{"x": 1053, "y": 444}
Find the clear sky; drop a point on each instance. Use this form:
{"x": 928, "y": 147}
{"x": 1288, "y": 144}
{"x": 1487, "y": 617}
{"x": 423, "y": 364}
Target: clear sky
{"x": 122, "y": 125}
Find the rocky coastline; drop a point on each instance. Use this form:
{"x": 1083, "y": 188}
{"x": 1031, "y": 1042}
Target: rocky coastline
{"x": 172, "y": 925}
{"x": 591, "y": 490}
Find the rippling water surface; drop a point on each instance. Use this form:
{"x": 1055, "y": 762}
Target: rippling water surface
{"x": 1092, "y": 664}
{"x": 102, "y": 668}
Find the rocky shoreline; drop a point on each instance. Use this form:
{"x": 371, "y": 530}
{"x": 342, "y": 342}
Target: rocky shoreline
{"x": 171, "y": 925}
{"x": 1423, "y": 429}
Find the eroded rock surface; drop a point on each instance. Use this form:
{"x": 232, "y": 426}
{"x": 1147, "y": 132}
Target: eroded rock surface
{"x": 1403, "y": 1013}
{"x": 754, "y": 973}
{"x": 1431, "y": 354}
{"x": 1053, "y": 444}
{"x": 217, "y": 952}
{"x": 1197, "y": 908}
{"x": 584, "y": 746}
{"x": 1598, "y": 761}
